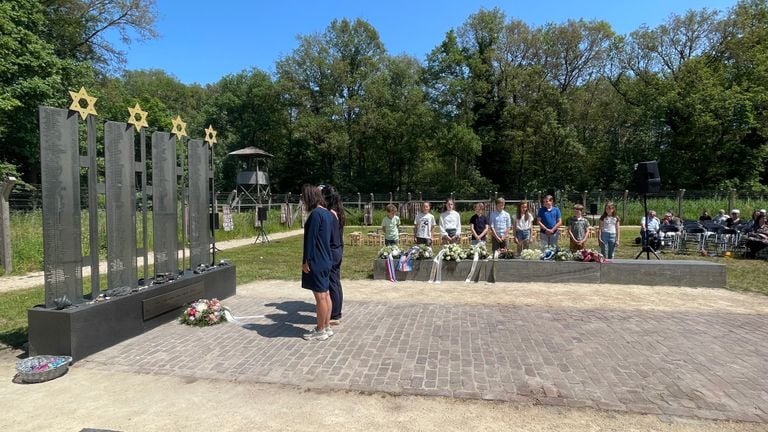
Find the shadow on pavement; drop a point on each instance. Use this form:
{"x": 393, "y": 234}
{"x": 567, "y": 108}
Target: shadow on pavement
{"x": 283, "y": 324}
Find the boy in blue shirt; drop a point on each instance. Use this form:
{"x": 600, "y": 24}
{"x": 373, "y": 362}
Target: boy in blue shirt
{"x": 549, "y": 219}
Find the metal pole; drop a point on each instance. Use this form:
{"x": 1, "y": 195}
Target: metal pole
{"x": 214, "y": 207}
{"x": 144, "y": 203}
{"x": 680, "y": 194}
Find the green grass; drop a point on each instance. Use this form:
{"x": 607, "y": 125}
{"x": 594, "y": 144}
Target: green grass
{"x": 27, "y": 235}
{"x": 281, "y": 259}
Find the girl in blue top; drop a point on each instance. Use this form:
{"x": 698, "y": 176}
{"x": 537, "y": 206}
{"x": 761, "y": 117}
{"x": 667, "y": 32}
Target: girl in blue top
{"x": 317, "y": 259}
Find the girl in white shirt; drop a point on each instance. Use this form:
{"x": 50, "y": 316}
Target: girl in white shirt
{"x": 450, "y": 223}
{"x": 609, "y": 230}
{"x": 522, "y": 224}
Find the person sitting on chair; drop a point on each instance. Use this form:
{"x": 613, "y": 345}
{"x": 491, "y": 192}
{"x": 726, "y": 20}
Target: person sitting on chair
{"x": 721, "y": 217}
{"x": 757, "y": 240}
{"x": 649, "y": 232}
{"x": 734, "y": 221}
{"x": 705, "y": 216}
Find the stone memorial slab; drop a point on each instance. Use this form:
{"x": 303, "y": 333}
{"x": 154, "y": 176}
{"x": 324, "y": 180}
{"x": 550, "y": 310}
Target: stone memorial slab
{"x": 60, "y": 170}
{"x": 199, "y": 197}
{"x": 164, "y": 203}
{"x": 121, "y": 204}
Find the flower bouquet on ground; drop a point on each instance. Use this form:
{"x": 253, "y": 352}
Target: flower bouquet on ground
{"x": 588, "y": 255}
{"x": 203, "y": 313}
{"x": 480, "y": 250}
{"x": 531, "y": 254}
{"x": 389, "y": 251}
{"x": 454, "y": 252}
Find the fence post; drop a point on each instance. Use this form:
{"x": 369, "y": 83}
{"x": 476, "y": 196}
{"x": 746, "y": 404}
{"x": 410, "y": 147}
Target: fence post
{"x": 6, "y": 256}
{"x": 359, "y": 202}
{"x": 680, "y": 194}
{"x": 599, "y": 197}
{"x": 584, "y": 199}
{"x": 390, "y": 197}
{"x": 624, "y": 206}
{"x": 731, "y": 199}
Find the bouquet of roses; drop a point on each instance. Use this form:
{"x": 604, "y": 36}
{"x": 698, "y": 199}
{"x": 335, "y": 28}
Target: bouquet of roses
{"x": 530, "y": 254}
{"x": 203, "y": 313}
{"x": 480, "y": 249}
{"x": 389, "y": 251}
{"x": 454, "y": 252}
{"x": 589, "y": 255}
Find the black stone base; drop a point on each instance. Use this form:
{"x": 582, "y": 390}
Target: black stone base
{"x": 688, "y": 273}
{"x": 89, "y": 328}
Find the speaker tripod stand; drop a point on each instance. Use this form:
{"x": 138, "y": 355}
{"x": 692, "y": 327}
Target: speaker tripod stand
{"x": 261, "y": 236}
{"x": 648, "y": 249}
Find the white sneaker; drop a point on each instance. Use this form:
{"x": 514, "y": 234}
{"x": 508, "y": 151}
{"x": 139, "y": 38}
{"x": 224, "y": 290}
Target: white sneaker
{"x": 316, "y": 334}
{"x": 328, "y": 331}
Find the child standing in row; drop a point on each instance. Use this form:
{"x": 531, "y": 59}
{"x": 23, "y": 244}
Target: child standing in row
{"x": 578, "y": 228}
{"x": 391, "y": 226}
{"x": 450, "y": 223}
{"x": 500, "y": 224}
{"x": 610, "y": 230}
{"x": 424, "y": 223}
{"x": 478, "y": 223}
{"x": 522, "y": 224}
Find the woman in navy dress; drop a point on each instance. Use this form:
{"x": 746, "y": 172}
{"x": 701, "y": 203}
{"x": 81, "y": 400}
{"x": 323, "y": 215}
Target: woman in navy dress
{"x": 317, "y": 259}
{"x": 333, "y": 202}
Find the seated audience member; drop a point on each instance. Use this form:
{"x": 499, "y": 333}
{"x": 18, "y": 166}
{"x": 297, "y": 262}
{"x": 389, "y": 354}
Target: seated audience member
{"x": 721, "y": 217}
{"x": 758, "y": 239}
{"x": 705, "y": 216}
{"x": 649, "y": 232}
{"x": 734, "y": 221}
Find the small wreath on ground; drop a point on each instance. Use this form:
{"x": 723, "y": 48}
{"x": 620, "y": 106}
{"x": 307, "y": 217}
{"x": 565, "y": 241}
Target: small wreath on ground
{"x": 203, "y": 313}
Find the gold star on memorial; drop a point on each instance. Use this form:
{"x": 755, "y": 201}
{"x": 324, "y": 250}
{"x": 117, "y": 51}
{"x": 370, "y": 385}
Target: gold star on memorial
{"x": 141, "y": 121}
{"x": 90, "y": 103}
{"x": 210, "y": 135}
{"x": 179, "y": 127}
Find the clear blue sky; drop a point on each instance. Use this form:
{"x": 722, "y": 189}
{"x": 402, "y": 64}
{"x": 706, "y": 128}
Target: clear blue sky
{"x": 202, "y": 41}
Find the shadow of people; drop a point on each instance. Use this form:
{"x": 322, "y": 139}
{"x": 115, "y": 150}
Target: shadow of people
{"x": 283, "y": 324}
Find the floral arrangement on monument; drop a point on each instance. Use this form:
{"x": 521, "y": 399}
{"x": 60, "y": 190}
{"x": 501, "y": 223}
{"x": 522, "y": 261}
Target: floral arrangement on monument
{"x": 425, "y": 252}
{"x": 588, "y": 255}
{"x": 564, "y": 255}
{"x": 454, "y": 252}
{"x": 202, "y": 313}
{"x": 389, "y": 251}
{"x": 531, "y": 254}
{"x": 480, "y": 249}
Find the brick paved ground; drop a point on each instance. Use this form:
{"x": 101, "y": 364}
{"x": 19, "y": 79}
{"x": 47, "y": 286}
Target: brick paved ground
{"x": 707, "y": 365}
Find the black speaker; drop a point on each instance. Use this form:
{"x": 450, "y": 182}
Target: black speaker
{"x": 261, "y": 214}
{"x": 647, "y": 179}
{"x": 593, "y": 208}
{"x": 213, "y": 220}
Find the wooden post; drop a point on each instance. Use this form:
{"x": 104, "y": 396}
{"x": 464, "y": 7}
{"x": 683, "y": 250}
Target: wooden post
{"x": 390, "y": 197}
{"x": 731, "y": 199}
{"x": 680, "y": 194}
{"x": 624, "y": 206}
{"x": 6, "y": 257}
{"x": 584, "y": 199}
{"x": 359, "y": 202}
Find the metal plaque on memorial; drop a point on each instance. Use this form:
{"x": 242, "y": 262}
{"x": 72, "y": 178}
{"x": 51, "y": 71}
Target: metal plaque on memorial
{"x": 199, "y": 230}
{"x": 121, "y": 204}
{"x": 164, "y": 203}
{"x": 60, "y": 168}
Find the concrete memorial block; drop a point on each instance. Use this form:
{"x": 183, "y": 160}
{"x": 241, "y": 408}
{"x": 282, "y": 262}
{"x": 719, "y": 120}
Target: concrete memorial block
{"x": 518, "y": 270}
{"x": 121, "y": 204}
{"x": 199, "y": 197}
{"x": 165, "y": 203}
{"x": 623, "y": 272}
{"x": 669, "y": 272}
{"x": 60, "y": 170}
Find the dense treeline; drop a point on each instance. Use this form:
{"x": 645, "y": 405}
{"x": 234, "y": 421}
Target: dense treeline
{"x": 497, "y": 105}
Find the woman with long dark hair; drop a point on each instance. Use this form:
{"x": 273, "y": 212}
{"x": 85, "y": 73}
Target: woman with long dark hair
{"x": 333, "y": 202}
{"x": 317, "y": 259}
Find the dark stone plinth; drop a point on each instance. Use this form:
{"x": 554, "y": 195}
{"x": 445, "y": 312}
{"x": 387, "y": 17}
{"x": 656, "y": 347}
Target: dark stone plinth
{"x": 89, "y": 328}
{"x": 687, "y": 273}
